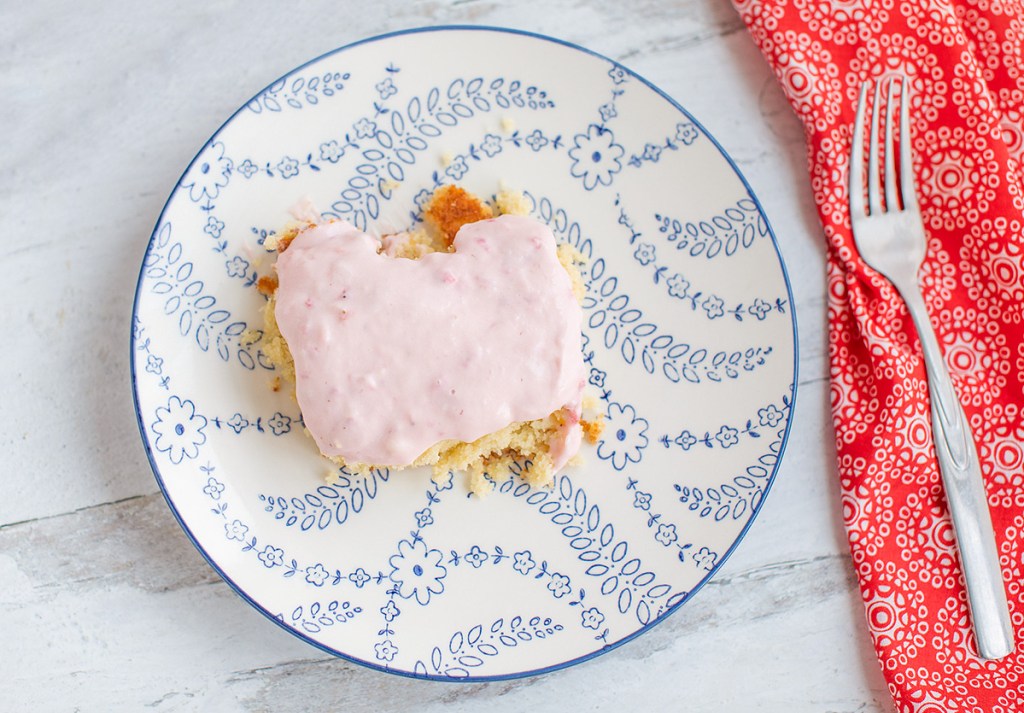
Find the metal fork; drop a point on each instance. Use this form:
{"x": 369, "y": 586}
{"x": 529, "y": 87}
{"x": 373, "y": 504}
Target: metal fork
{"x": 891, "y": 241}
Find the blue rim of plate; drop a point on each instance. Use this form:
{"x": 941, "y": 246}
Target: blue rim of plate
{"x": 519, "y": 674}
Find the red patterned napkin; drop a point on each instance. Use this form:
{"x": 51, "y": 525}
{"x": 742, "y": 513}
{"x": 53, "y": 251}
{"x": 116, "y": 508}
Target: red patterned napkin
{"x": 965, "y": 60}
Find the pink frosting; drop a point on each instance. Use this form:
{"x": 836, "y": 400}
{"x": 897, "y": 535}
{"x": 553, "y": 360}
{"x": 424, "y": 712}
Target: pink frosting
{"x": 392, "y": 356}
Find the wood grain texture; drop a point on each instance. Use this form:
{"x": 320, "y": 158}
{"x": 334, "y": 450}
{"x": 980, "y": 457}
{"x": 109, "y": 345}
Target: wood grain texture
{"x": 114, "y": 601}
{"x": 106, "y": 605}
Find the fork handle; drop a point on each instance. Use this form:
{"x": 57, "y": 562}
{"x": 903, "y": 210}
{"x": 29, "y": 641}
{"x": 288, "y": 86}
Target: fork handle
{"x": 965, "y": 492}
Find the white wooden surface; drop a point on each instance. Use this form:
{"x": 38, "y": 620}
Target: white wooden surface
{"x": 104, "y": 605}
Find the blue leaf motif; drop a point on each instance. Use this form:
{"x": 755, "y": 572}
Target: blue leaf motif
{"x": 455, "y": 643}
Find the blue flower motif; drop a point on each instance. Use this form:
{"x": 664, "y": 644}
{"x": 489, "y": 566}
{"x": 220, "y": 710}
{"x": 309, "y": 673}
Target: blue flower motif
{"x": 523, "y": 562}
{"x": 424, "y": 517}
{"x": 760, "y": 308}
{"x": 457, "y": 168}
{"x": 685, "y": 439}
{"x": 642, "y": 500}
{"x": 644, "y": 253}
{"x": 238, "y": 423}
{"x": 559, "y": 585}
{"x": 608, "y": 111}
{"x": 154, "y": 364}
{"x": 280, "y": 424}
{"x": 596, "y": 158}
{"x": 769, "y": 416}
{"x": 686, "y": 133}
{"x": 179, "y": 430}
{"x": 359, "y": 577}
{"x": 248, "y": 168}
{"x": 390, "y": 611}
{"x": 625, "y": 436}
{"x": 235, "y": 530}
{"x": 331, "y": 151}
{"x": 666, "y": 534}
{"x": 288, "y": 167}
{"x": 213, "y": 227}
{"x": 597, "y": 377}
{"x": 714, "y": 306}
{"x": 214, "y": 488}
{"x": 385, "y": 650}
{"x": 422, "y": 198}
{"x": 271, "y": 557}
{"x": 536, "y": 140}
{"x": 618, "y": 74}
{"x": 678, "y": 286}
{"x": 237, "y": 266}
{"x": 365, "y": 128}
{"x": 476, "y": 557}
{"x": 386, "y": 87}
{"x": 652, "y": 153}
{"x": 317, "y": 575}
{"x": 491, "y": 145}
{"x": 417, "y": 571}
{"x": 592, "y": 618}
{"x": 210, "y": 172}
{"x": 705, "y": 559}
{"x": 727, "y": 437}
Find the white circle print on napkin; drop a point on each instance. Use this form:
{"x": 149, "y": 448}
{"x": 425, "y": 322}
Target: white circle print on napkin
{"x": 689, "y": 345}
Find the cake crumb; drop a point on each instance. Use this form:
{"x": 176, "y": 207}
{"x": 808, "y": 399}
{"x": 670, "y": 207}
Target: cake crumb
{"x": 389, "y": 185}
{"x": 279, "y": 243}
{"x": 512, "y": 202}
{"x": 508, "y": 124}
{"x": 275, "y": 385}
{"x": 267, "y": 285}
{"x": 250, "y": 337}
{"x": 479, "y": 484}
{"x": 592, "y": 429}
{"x": 285, "y": 240}
{"x": 412, "y": 245}
{"x": 446, "y": 159}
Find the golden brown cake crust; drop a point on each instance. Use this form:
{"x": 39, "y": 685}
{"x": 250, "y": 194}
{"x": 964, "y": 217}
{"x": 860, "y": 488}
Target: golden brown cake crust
{"x": 451, "y": 208}
{"x": 267, "y": 285}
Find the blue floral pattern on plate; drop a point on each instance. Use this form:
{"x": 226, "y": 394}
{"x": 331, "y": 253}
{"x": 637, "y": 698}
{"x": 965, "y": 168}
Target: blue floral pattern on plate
{"x": 689, "y": 344}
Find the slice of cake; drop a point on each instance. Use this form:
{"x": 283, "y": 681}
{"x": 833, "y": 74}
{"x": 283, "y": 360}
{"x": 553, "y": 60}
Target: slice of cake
{"x": 456, "y": 345}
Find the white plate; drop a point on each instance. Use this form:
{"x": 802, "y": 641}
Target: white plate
{"x": 689, "y": 340}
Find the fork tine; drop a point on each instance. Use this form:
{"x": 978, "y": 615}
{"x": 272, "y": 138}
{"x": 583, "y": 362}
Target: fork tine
{"x": 891, "y": 200}
{"x": 874, "y": 197}
{"x": 907, "y": 187}
{"x": 856, "y": 187}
